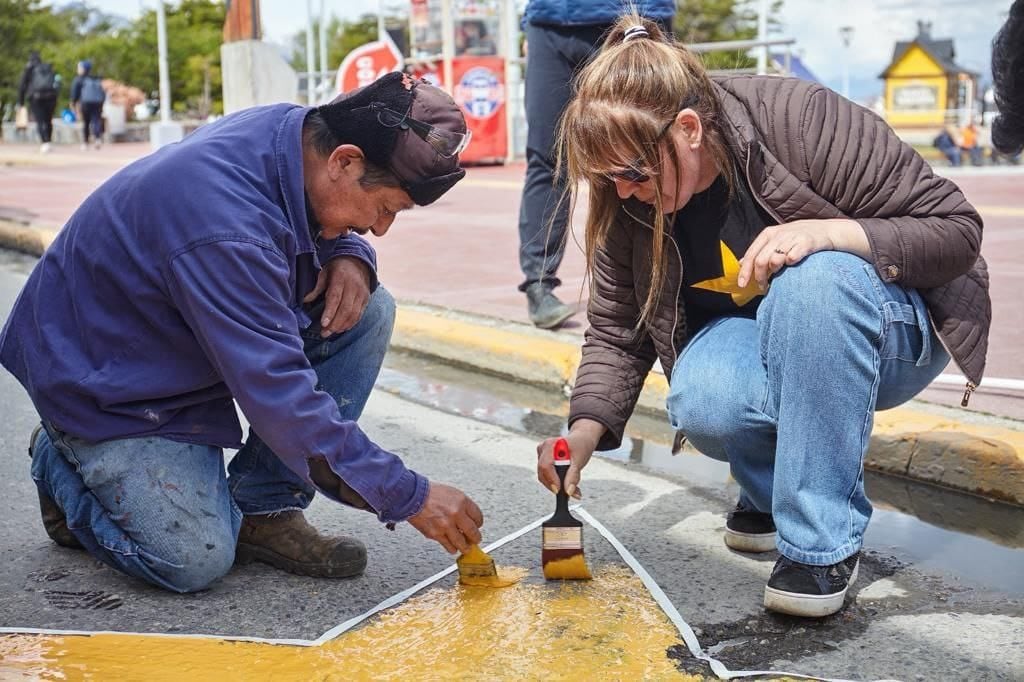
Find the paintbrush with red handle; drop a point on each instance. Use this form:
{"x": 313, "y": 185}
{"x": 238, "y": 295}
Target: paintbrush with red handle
{"x": 562, "y": 541}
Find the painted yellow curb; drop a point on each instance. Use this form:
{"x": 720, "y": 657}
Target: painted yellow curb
{"x": 977, "y": 458}
{"x": 486, "y": 345}
{"x": 30, "y": 240}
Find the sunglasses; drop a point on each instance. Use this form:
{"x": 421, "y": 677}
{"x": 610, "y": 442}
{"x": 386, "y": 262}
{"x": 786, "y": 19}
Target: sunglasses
{"x": 632, "y": 172}
{"x": 445, "y": 142}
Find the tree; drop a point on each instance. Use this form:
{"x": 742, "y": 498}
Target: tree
{"x": 706, "y": 21}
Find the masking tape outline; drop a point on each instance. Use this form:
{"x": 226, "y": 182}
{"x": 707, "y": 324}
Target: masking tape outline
{"x": 659, "y": 596}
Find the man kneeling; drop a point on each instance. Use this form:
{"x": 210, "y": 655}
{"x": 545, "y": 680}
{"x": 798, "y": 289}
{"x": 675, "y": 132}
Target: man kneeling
{"x": 218, "y": 270}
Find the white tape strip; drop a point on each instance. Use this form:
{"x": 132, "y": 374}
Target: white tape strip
{"x": 673, "y": 614}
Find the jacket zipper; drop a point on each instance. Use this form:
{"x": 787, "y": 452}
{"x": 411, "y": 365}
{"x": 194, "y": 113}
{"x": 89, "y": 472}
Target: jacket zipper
{"x": 675, "y": 309}
{"x": 969, "y": 388}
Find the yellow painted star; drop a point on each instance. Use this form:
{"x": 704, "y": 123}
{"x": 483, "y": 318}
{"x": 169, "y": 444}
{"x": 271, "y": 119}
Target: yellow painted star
{"x": 726, "y": 284}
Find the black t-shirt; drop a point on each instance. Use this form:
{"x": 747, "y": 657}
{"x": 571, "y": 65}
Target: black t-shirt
{"x": 713, "y": 232}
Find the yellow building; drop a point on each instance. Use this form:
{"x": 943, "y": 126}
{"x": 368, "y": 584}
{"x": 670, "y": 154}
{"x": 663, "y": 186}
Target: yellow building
{"x": 924, "y": 87}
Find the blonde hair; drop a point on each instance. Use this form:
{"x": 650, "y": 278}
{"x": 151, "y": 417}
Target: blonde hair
{"x": 623, "y": 100}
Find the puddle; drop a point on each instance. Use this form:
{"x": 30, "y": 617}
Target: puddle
{"x": 976, "y": 541}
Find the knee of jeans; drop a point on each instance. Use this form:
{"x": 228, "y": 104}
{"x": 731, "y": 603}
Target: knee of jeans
{"x": 194, "y": 562}
{"x": 804, "y": 287}
{"x": 380, "y": 311}
{"x": 706, "y": 415}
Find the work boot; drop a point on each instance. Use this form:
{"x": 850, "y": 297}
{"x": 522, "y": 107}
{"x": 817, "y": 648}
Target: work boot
{"x": 54, "y": 521}
{"x": 287, "y": 541}
{"x": 546, "y": 311}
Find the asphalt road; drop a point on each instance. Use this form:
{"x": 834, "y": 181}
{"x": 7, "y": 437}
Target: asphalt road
{"x": 903, "y": 622}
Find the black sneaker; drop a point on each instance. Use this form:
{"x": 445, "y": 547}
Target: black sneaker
{"x": 546, "y": 311}
{"x": 811, "y": 591}
{"x": 747, "y": 530}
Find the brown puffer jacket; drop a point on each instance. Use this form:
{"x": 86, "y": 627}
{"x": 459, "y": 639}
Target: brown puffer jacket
{"x": 806, "y": 153}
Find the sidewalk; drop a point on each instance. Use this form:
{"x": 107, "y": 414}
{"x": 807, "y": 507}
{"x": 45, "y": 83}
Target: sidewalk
{"x": 454, "y": 267}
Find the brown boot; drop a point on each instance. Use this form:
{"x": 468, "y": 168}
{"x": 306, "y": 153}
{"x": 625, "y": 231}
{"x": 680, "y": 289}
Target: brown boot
{"x": 54, "y": 521}
{"x": 287, "y": 541}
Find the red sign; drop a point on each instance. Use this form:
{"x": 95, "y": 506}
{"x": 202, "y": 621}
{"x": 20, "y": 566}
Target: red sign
{"x": 367, "y": 63}
{"x": 480, "y": 91}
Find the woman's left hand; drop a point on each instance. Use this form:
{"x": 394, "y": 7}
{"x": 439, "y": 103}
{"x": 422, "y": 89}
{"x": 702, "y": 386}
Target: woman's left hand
{"x": 788, "y": 244}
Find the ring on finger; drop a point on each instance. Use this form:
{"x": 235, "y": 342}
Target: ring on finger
{"x": 781, "y": 252}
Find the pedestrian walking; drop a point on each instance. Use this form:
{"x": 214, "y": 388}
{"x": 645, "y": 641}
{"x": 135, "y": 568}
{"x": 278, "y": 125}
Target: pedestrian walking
{"x": 87, "y": 98}
{"x": 794, "y": 267}
{"x": 970, "y": 144}
{"x": 1008, "y": 81}
{"x": 38, "y": 88}
{"x": 560, "y": 38}
{"x": 229, "y": 268}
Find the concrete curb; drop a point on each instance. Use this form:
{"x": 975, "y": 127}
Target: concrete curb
{"x": 978, "y": 458}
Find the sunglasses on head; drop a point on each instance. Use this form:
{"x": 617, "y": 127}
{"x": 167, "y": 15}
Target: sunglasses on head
{"x": 445, "y": 142}
{"x": 632, "y": 172}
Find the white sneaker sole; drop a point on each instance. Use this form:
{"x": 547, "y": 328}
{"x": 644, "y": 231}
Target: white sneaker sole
{"x": 754, "y": 543}
{"x": 807, "y": 605}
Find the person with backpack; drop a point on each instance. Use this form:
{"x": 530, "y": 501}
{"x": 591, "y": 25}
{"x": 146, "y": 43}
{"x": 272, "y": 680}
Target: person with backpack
{"x": 87, "y": 97}
{"x": 39, "y": 87}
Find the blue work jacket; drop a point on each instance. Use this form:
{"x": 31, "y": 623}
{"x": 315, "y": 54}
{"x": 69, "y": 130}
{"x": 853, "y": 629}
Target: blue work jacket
{"x": 177, "y": 287}
{"x": 592, "y": 12}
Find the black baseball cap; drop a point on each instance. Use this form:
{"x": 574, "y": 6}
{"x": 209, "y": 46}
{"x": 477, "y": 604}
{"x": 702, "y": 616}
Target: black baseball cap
{"x": 412, "y": 128}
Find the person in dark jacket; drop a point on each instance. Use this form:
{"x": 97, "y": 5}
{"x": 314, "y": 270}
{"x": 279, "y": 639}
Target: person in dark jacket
{"x": 792, "y": 264}
{"x": 560, "y": 37}
{"x": 228, "y": 269}
{"x": 87, "y": 98}
{"x": 1008, "y": 82}
{"x": 38, "y": 87}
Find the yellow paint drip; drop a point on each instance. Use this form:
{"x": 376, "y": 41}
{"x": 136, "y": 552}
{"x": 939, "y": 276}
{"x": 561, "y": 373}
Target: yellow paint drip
{"x": 609, "y": 628}
{"x": 572, "y": 568}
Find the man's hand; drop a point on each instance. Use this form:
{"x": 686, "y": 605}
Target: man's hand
{"x": 583, "y": 440}
{"x": 346, "y": 280}
{"x": 450, "y": 518}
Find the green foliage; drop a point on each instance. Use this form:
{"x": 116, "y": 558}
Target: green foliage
{"x": 705, "y": 21}
{"x": 124, "y": 51}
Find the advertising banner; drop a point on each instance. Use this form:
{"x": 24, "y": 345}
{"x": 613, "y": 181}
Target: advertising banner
{"x": 479, "y": 88}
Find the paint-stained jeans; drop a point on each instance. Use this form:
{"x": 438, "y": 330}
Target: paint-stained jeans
{"x": 165, "y": 511}
{"x": 788, "y": 399}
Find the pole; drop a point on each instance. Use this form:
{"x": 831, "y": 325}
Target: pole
{"x": 310, "y": 61}
{"x": 447, "y": 42}
{"x": 846, "y": 35}
{"x": 381, "y": 28}
{"x": 323, "y": 43}
{"x": 165, "y": 79}
{"x": 762, "y": 35}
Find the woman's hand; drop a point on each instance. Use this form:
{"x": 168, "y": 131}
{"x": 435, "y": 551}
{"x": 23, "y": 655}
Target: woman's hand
{"x": 788, "y": 244}
{"x": 583, "y": 439}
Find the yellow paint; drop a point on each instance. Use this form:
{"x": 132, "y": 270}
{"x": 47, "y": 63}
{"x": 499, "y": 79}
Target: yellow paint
{"x": 573, "y": 568}
{"x": 727, "y": 283}
{"x": 1001, "y": 211}
{"x": 606, "y": 629}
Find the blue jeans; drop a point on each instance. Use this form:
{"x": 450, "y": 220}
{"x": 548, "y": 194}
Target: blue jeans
{"x": 788, "y": 399}
{"x": 164, "y": 511}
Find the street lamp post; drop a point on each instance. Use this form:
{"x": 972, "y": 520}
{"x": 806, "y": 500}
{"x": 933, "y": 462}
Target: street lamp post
{"x": 846, "y": 34}
{"x": 166, "y": 131}
{"x": 762, "y": 35}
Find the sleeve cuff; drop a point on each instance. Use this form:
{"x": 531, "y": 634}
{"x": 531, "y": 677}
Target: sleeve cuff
{"x": 407, "y": 498}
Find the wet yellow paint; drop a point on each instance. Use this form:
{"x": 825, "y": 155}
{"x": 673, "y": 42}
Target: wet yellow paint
{"x": 504, "y": 577}
{"x": 609, "y": 628}
{"x": 573, "y": 568}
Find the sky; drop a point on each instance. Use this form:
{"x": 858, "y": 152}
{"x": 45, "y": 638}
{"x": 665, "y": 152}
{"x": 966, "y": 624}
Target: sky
{"x": 877, "y": 26}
